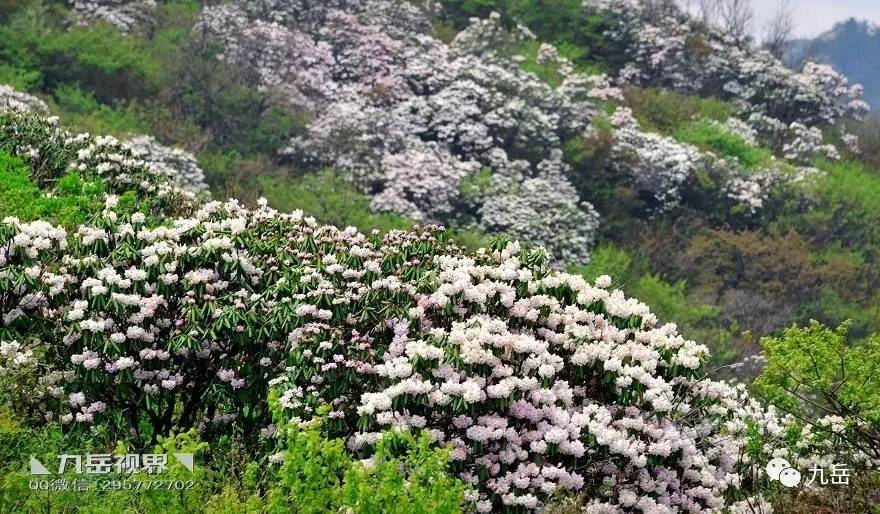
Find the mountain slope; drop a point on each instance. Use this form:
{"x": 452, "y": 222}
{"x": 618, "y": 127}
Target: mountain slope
{"x": 853, "y": 48}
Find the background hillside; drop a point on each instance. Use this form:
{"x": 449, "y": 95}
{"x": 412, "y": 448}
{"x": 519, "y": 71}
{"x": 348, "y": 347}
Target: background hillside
{"x": 852, "y": 47}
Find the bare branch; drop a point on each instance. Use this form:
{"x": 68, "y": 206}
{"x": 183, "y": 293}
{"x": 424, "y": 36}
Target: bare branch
{"x": 737, "y": 17}
{"x": 779, "y": 29}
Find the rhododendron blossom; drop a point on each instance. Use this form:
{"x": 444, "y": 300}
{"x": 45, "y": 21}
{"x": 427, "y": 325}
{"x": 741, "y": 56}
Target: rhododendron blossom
{"x": 412, "y": 118}
{"x": 13, "y": 100}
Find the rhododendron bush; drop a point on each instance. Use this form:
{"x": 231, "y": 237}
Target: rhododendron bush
{"x": 12, "y": 100}
{"x": 411, "y": 118}
{"x": 127, "y": 16}
{"x": 204, "y": 315}
{"x": 174, "y": 162}
{"x": 673, "y": 49}
{"x": 665, "y": 47}
{"x": 54, "y": 151}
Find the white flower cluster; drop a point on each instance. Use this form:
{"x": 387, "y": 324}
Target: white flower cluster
{"x": 670, "y": 48}
{"x": 666, "y": 47}
{"x": 851, "y": 143}
{"x": 807, "y": 144}
{"x": 53, "y": 151}
{"x": 411, "y": 118}
{"x": 752, "y": 188}
{"x": 179, "y": 164}
{"x": 539, "y": 381}
{"x": 13, "y": 100}
{"x": 288, "y": 61}
{"x": 127, "y": 16}
{"x": 14, "y": 355}
{"x": 656, "y": 164}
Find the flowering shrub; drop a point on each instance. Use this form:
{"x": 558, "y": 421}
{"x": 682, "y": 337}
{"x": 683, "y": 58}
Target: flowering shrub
{"x": 174, "y": 162}
{"x": 657, "y": 165}
{"x": 150, "y": 314}
{"x": 411, "y": 118}
{"x": 124, "y": 15}
{"x": 526, "y": 372}
{"x": 53, "y": 152}
{"x": 666, "y": 47}
{"x": 12, "y": 100}
{"x": 807, "y": 144}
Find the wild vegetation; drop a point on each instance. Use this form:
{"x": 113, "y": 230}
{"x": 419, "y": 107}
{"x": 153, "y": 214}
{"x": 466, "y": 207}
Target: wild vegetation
{"x": 221, "y": 233}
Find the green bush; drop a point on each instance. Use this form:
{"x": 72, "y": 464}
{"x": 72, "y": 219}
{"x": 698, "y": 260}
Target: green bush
{"x": 405, "y": 475}
{"x": 847, "y": 207}
{"x": 70, "y": 203}
{"x": 665, "y": 111}
{"x": 330, "y": 198}
{"x": 671, "y": 301}
{"x": 80, "y": 109}
{"x": 212, "y": 491}
{"x": 101, "y": 60}
{"x": 606, "y": 260}
{"x": 577, "y": 32}
{"x": 812, "y": 372}
{"x": 713, "y": 137}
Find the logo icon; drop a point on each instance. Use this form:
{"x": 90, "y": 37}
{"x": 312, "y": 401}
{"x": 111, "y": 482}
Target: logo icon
{"x": 790, "y": 477}
{"x": 780, "y": 469}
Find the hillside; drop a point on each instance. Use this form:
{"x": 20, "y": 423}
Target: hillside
{"x": 403, "y": 256}
{"x": 851, "y": 47}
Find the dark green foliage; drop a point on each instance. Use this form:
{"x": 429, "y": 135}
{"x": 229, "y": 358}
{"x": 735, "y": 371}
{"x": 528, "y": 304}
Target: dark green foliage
{"x": 576, "y": 31}
{"x": 665, "y": 111}
{"x": 82, "y": 110}
{"x": 100, "y": 59}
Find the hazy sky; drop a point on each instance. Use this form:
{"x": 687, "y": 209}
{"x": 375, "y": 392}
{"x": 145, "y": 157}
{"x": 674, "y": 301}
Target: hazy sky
{"x": 817, "y": 16}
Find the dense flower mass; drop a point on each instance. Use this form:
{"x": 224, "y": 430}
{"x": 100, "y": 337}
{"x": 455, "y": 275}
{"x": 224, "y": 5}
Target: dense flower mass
{"x": 538, "y": 381}
{"x": 16, "y": 101}
{"x": 127, "y": 16}
{"x": 412, "y": 118}
{"x": 175, "y": 162}
{"x": 672, "y": 49}
{"x": 666, "y": 47}
{"x": 656, "y": 164}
